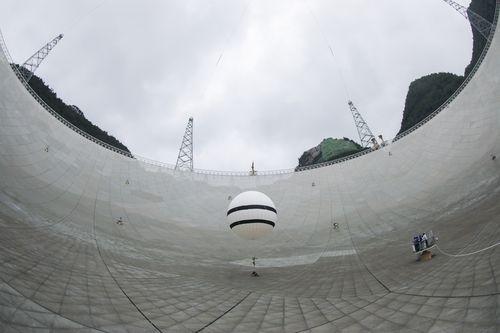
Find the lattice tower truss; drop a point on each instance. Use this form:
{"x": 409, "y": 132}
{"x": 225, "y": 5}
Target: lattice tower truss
{"x": 477, "y": 21}
{"x": 185, "y": 158}
{"x": 365, "y": 134}
{"x": 36, "y": 59}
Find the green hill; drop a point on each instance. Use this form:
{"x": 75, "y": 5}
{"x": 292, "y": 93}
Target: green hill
{"x": 427, "y": 93}
{"x": 71, "y": 113}
{"x": 328, "y": 150}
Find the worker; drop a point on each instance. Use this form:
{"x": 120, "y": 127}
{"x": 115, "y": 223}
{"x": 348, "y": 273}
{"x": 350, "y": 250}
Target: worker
{"x": 383, "y": 143}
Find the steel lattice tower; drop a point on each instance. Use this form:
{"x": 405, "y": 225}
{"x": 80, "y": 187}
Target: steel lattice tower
{"x": 365, "y": 135}
{"x": 36, "y": 59}
{"x": 185, "y": 158}
{"x": 482, "y": 25}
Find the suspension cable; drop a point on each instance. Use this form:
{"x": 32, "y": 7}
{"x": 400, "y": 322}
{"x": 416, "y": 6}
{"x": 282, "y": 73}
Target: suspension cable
{"x": 329, "y": 44}
{"x": 75, "y": 22}
{"x": 228, "y": 39}
{"x": 466, "y": 254}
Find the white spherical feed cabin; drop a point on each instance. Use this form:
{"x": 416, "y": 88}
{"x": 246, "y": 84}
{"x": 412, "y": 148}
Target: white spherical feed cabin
{"x": 252, "y": 215}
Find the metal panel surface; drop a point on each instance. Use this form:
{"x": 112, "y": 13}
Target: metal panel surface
{"x": 173, "y": 264}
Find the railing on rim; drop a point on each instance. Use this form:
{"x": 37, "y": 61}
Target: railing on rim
{"x": 214, "y": 172}
{"x": 246, "y": 173}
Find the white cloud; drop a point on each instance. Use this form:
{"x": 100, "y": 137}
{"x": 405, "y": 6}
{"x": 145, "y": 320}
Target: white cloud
{"x": 140, "y": 69}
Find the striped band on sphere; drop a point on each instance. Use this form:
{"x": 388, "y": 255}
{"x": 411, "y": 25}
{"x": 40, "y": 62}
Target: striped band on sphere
{"x": 247, "y": 207}
{"x": 234, "y": 224}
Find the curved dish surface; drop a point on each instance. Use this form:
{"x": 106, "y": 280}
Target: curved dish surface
{"x": 92, "y": 240}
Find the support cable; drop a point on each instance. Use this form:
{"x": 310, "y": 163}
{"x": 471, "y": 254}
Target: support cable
{"x": 329, "y": 44}
{"x": 75, "y": 22}
{"x": 228, "y": 39}
{"x": 466, "y": 254}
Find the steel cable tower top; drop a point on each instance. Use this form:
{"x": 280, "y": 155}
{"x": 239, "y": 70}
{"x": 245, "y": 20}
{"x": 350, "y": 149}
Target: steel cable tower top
{"x": 365, "y": 135}
{"x": 36, "y": 59}
{"x": 482, "y": 25}
{"x": 185, "y": 158}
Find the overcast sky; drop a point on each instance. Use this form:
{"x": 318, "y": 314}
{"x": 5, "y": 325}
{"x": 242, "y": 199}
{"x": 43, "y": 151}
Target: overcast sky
{"x": 257, "y": 75}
